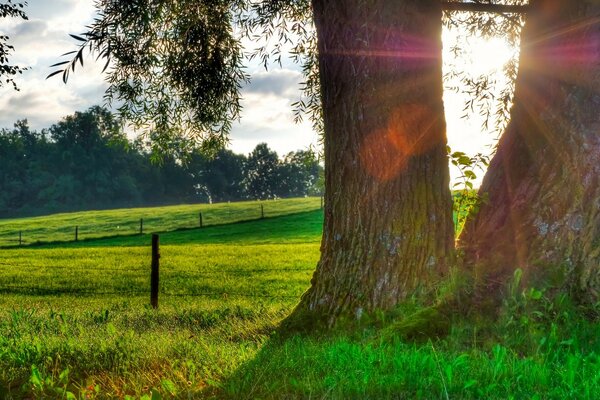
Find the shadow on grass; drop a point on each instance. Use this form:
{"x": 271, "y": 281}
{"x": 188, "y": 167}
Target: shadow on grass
{"x": 300, "y": 227}
{"x": 334, "y": 367}
{"x": 551, "y": 360}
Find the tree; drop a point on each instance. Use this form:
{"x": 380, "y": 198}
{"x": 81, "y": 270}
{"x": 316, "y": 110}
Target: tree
{"x": 298, "y": 175}
{"x": 388, "y": 231}
{"x": 220, "y": 178}
{"x": 542, "y": 185}
{"x": 261, "y": 178}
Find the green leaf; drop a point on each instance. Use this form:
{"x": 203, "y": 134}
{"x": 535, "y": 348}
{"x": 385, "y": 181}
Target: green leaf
{"x": 469, "y": 384}
{"x": 64, "y": 376}
{"x": 168, "y": 386}
{"x": 156, "y": 395}
{"x": 470, "y": 174}
{"x": 535, "y": 294}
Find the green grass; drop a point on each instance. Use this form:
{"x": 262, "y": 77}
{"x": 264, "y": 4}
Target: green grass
{"x": 74, "y": 318}
{"x": 126, "y": 222}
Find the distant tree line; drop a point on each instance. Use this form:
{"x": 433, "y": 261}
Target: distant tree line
{"x": 86, "y": 161}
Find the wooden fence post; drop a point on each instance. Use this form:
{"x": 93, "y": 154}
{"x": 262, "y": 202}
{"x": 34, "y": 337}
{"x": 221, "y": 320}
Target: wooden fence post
{"x": 262, "y": 212}
{"x": 154, "y": 273}
{"x": 200, "y": 216}
{"x": 20, "y": 238}
{"x": 76, "y": 233}
{"x": 141, "y": 226}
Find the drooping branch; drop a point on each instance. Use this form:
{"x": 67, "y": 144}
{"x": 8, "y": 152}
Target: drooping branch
{"x": 485, "y": 7}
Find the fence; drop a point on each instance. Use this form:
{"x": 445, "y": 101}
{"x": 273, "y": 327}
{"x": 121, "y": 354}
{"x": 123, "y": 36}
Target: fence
{"x": 80, "y": 229}
{"x": 147, "y": 280}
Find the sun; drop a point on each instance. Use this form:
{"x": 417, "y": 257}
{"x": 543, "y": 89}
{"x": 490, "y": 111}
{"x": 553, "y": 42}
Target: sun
{"x": 489, "y": 54}
{"x": 476, "y": 54}
{"x": 473, "y": 57}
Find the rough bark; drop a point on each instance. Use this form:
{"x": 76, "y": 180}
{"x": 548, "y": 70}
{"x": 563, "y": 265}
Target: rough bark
{"x": 543, "y": 208}
{"x": 388, "y": 230}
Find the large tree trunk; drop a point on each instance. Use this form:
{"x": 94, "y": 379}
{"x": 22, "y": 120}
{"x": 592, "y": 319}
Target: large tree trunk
{"x": 543, "y": 208}
{"x": 388, "y": 231}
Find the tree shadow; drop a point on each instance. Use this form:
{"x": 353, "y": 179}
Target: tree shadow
{"x": 334, "y": 365}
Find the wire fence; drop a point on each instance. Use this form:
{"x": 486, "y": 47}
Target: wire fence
{"x": 51, "y": 288}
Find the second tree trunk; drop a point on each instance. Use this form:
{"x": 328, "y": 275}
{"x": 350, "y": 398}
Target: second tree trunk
{"x": 543, "y": 195}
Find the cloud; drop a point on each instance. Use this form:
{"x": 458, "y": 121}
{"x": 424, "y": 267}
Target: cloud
{"x": 39, "y": 42}
{"x": 279, "y": 82}
{"x": 51, "y": 9}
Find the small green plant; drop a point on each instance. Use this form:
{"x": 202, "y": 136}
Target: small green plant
{"x": 48, "y": 386}
{"x": 466, "y": 199}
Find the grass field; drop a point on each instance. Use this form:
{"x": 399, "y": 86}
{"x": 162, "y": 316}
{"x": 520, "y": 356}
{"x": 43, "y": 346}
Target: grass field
{"x": 75, "y": 323}
{"x": 126, "y": 222}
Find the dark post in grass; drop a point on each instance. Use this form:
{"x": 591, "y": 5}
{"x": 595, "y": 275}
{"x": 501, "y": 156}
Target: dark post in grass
{"x": 321, "y": 202}
{"x": 20, "y": 238}
{"x": 141, "y": 226}
{"x": 262, "y": 211}
{"x": 200, "y": 219}
{"x": 76, "y": 233}
{"x": 154, "y": 273}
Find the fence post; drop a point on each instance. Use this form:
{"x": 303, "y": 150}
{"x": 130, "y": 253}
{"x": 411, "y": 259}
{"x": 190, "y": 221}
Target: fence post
{"x": 200, "y": 216}
{"x": 262, "y": 212}
{"x": 76, "y": 233}
{"x": 20, "y": 238}
{"x": 141, "y": 226}
{"x": 154, "y": 273}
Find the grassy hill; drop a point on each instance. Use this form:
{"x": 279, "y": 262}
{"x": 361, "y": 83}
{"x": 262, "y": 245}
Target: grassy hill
{"x": 126, "y": 222}
{"x": 75, "y": 318}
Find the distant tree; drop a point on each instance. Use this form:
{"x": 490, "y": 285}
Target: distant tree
{"x": 86, "y": 161}
{"x": 219, "y": 178}
{"x": 298, "y": 174}
{"x": 261, "y": 178}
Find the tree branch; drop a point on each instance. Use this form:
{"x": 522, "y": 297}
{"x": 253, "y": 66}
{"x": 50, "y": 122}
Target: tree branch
{"x": 485, "y": 7}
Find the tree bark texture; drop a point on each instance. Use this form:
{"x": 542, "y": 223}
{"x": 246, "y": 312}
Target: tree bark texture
{"x": 543, "y": 209}
{"x": 388, "y": 230}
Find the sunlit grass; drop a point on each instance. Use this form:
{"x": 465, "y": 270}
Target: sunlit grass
{"x": 123, "y": 222}
{"x": 75, "y": 317}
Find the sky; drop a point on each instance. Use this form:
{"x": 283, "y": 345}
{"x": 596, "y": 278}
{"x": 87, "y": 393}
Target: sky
{"x": 267, "y": 115}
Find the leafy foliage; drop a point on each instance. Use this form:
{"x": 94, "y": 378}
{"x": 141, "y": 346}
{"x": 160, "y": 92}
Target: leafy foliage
{"x": 175, "y": 68}
{"x": 466, "y": 200}
{"x": 8, "y": 9}
{"x": 86, "y": 161}
{"x": 481, "y": 90}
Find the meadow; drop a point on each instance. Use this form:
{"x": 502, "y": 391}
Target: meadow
{"x": 75, "y": 322}
{"x": 126, "y": 222}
